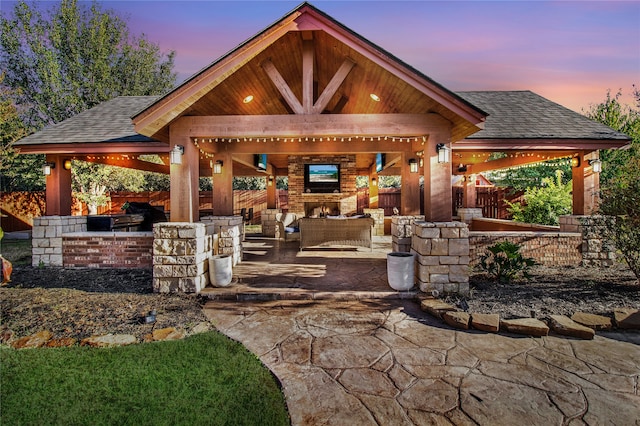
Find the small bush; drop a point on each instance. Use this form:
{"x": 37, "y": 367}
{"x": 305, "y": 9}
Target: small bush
{"x": 504, "y": 262}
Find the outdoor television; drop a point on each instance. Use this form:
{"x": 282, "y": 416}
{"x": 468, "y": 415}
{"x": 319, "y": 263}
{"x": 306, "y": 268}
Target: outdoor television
{"x": 322, "y": 178}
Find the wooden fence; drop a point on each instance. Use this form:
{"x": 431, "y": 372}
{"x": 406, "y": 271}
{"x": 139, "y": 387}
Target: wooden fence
{"x": 490, "y": 200}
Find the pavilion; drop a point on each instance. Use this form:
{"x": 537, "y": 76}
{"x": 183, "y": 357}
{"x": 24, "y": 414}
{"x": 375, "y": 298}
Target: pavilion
{"x": 309, "y": 90}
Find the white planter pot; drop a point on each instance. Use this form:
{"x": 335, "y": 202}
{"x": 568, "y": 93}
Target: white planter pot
{"x": 221, "y": 270}
{"x": 400, "y": 270}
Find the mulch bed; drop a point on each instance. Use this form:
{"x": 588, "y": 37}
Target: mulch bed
{"x": 80, "y": 303}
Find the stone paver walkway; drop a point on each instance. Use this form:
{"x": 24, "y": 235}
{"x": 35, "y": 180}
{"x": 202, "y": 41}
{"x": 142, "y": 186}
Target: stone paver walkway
{"x": 385, "y": 362}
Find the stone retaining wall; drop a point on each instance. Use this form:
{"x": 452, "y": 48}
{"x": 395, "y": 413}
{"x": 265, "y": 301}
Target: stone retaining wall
{"x": 181, "y": 252}
{"x": 108, "y": 250}
{"x": 547, "y": 248}
{"x": 442, "y": 256}
{"x": 268, "y": 220}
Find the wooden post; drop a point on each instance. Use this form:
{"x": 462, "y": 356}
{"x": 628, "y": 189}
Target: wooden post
{"x": 271, "y": 187}
{"x": 410, "y": 193}
{"x": 58, "y": 188}
{"x": 437, "y": 181}
{"x": 586, "y": 185}
{"x": 223, "y": 186}
{"x": 373, "y": 188}
{"x": 185, "y": 194}
{"x": 469, "y": 197}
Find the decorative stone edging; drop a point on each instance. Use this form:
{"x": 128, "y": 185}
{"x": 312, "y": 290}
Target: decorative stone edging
{"x": 44, "y": 339}
{"x": 581, "y": 325}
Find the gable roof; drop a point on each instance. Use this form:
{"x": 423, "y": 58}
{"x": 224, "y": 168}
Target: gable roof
{"x": 527, "y": 115}
{"x": 407, "y": 90}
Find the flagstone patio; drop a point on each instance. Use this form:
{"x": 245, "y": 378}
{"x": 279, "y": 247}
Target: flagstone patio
{"x": 274, "y": 269}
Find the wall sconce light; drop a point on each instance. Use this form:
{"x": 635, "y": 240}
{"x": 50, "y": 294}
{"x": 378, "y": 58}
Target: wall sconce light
{"x": 66, "y": 164}
{"x": 596, "y": 164}
{"x": 47, "y": 167}
{"x": 575, "y": 162}
{"x": 374, "y": 181}
{"x": 270, "y": 181}
{"x": 217, "y": 167}
{"x": 176, "y": 154}
{"x": 413, "y": 165}
{"x": 462, "y": 168}
{"x": 444, "y": 153}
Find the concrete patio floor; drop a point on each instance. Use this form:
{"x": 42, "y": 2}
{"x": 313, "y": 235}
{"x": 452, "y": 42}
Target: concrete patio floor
{"x": 272, "y": 269}
{"x": 385, "y": 362}
{"x": 349, "y": 351}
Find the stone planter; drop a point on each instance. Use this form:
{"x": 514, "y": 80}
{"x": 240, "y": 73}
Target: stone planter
{"x": 221, "y": 270}
{"x": 400, "y": 270}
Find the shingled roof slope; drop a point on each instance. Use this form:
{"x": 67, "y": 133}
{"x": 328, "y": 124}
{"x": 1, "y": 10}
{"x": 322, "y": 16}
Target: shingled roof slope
{"x": 109, "y": 121}
{"x": 527, "y": 115}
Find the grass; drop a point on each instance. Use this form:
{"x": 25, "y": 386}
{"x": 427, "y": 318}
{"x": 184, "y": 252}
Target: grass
{"x": 18, "y": 252}
{"x": 206, "y": 379}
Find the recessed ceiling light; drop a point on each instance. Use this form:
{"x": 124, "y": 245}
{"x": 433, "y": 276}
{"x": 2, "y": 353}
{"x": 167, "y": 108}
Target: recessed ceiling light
{"x": 247, "y": 99}
{"x": 375, "y": 97}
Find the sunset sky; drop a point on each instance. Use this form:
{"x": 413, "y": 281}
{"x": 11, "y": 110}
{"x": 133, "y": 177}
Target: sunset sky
{"x": 571, "y": 52}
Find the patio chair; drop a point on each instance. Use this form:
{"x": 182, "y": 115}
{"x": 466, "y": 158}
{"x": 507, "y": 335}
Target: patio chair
{"x": 287, "y": 224}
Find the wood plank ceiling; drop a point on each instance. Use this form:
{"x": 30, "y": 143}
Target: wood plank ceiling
{"x": 351, "y": 97}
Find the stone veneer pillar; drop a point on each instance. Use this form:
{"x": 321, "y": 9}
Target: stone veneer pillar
{"x": 230, "y": 234}
{"x": 268, "y": 220}
{"x": 401, "y": 232}
{"x": 596, "y": 250}
{"x": 378, "y": 220}
{"x": 46, "y": 237}
{"x": 442, "y": 256}
{"x": 181, "y": 252}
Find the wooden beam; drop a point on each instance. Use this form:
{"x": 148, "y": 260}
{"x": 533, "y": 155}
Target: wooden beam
{"x": 97, "y": 148}
{"x": 130, "y": 163}
{"x": 539, "y": 144}
{"x": 282, "y": 86}
{"x": 319, "y": 125}
{"x": 334, "y": 85}
{"x": 507, "y": 162}
{"x": 307, "y": 76}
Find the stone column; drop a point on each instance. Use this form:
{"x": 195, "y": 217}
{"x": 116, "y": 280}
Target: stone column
{"x": 596, "y": 250}
{"x": 401, "y": 231}
{"x": 442, "y": 257}
{"x": 230, "y": 232}
{"x": 378, "y": 220}
{"x": 181, "y": 252}
{"x": 268, "y": 220}
{"x": 47, "y": 234}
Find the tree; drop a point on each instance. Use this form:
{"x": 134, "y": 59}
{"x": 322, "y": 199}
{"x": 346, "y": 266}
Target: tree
{"x": 620, "y": 194}
{"x": 625, "y": 119}
{"x": 63, "y": 61}
{"x": 545, "y": 204}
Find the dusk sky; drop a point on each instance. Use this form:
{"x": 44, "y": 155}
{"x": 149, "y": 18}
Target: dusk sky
{"x": 571, "y": 52}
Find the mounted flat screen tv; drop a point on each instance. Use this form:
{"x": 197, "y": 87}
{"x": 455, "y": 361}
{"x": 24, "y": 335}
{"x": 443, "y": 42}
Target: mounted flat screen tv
{"x": 322, "y": 178}
{"x": 381, "y": 161}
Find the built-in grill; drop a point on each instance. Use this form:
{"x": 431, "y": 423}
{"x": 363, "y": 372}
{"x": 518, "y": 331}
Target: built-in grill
{"x": 115, "y": 222}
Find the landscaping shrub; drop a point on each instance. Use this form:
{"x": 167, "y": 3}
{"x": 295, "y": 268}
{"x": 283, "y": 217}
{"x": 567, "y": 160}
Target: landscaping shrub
{"x": 544, "y": 204}
{"x": 504, "y": 262}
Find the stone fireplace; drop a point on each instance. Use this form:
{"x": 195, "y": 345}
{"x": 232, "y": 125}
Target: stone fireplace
{"x": 345, "y": 202}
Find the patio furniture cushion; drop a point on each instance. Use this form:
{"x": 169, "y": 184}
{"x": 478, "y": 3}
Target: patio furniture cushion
{"x": 288, "y": 226}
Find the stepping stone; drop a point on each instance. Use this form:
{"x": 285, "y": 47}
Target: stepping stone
{"x": 436, "y": 307}
{"x": 567, "y": 327}
{"x": 169, "y": 333}
{"x": 457, "y": 319}
{"x": 37, "y": 340}
{"x": 528, "y": 326}
{"x": 597, "y": 322}
{"x": 627, "y": 318}
{"x": 486, "y": 322}
{"x": 109, "y": 340}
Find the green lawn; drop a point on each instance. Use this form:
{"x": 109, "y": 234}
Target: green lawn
{"x": 206, "y": 379}
{"x": 18, "y": 252}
